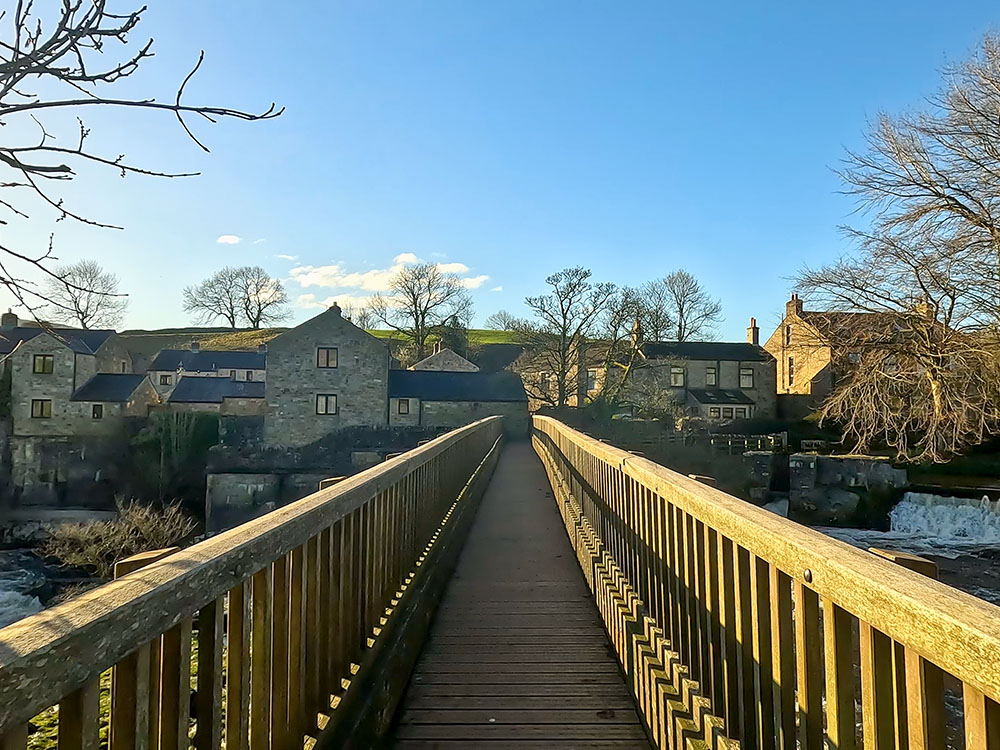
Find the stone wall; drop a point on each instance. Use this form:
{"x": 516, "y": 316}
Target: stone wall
{"x": 812, "y": 357}
{"x": 232, "y": 499}
{"x": 404, "y": 420}
{"x": 452, "y": 414}
{"x": 360, "y": 380}
{"x": 57, "y": 386}
{"x": 66, "y": 471}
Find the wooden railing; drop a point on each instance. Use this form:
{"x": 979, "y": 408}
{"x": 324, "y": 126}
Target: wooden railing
{"x": 736, "y": 627}
{"x": 296, "y": 622}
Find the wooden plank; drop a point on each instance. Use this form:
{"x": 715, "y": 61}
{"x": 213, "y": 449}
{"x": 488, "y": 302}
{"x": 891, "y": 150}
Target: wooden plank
{"x": 129, "y": 726}
{"x": 15, "y": 739}
{"x": 279, "y": 652}
{"x": 925, "y": 711}
{"x": 520, "y": 717}
{"x": 878, "y": 707}
{"x": 175, "y": 687}
{"x": 79, "y": 717}
{"x": 209, "y": 694}
{"x": 838, "y": 638}
{"x": 299, "y": 701}
{"x": 982, "y": 720}
{"x": 238, "y": 668}
{"x": 783, "y": 668}
{"x": 809, "y": 667}
{"x": 260, "y": 662}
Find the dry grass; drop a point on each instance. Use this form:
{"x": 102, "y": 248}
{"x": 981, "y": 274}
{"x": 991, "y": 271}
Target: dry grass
{"x": 97, "y": 545}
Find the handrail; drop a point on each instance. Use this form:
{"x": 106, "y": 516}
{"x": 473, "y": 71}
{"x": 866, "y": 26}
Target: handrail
{"x": 310, "y": 579}
{"x": 743, "y": 598}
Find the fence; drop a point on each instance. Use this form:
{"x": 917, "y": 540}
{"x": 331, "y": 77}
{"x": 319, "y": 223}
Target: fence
{"x": 271, "y": 623}
{"x": 736, "y": 627}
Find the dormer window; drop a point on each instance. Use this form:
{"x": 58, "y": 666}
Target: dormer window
{"x": 711, "y": 376}
{"x": 326, "y": 357}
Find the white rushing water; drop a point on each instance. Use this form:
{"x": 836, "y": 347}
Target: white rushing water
{"x": 18, "y": 577}
{"x": 933, "y": 524}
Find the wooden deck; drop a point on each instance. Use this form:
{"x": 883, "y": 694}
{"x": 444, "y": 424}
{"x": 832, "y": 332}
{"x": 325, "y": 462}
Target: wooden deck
{"x": 517, "y": 655}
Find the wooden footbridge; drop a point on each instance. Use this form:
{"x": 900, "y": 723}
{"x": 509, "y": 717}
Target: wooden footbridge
{"x": 477, "y": 593}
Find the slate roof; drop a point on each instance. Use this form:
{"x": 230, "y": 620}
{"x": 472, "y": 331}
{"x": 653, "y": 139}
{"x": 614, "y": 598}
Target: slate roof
{"x": 80, "y": 341}
{"x": 207, "y": 360}
{"x": 430, "y": 385}
{"x": 207, "y": 390}
{"x": 716, "y": 396}
{"x": 445, "y": 360}
{"x": 709, "y": 350}
{"x": 108, "y": 386}
{"x": 496, "y": 357}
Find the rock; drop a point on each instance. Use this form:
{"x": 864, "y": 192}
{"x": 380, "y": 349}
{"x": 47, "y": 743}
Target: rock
{"x": 823, "y": 505}
{"x": 779, "y": 506}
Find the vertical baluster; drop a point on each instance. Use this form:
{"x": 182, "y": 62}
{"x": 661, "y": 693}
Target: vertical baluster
{"x": 155, "y": 663}
{"x": 175, "y": 687}
{"x": 838, "y": 639}
{"x": 130, "y": 702}
{"x": 809, "y": 666}
{"x": 745, "y": 634}
{"x": 783, "y": 659}
{"x": 703, "y": 609}
{"x": 15, "y": 739}
{"x": 260, "y": 662}
{"x": 238, "y": 668}
{"x": 924, "y": 702}
{"x": 299, "y": 701}
{"x": 208, "y": 698}
{"x": 877, "y": 689}
{"x": 714, "y": 620}
{"x": 732, "y": 708}
{"x": 982, "y": 720}
{"x": 316, "y": 641}
{"x": 332, "y": 594}
{"x": 79, "y": 717}
{"x": 279, "y": 652}
{"x": 763, "y": 674}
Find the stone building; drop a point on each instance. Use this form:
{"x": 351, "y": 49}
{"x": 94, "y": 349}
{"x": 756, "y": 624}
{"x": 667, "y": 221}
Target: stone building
{"x": 220, "y": 395}
{"x": 171, "y": 365}
{"x": 428, "y": 398}
{"x": 810, "y": 353}
{"x": 715, "y": 380}
{"x": 445, "y": 360}
{"x": 324, "y": 375}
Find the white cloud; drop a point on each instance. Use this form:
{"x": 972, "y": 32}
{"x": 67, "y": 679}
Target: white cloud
{"x": 229, "y": 239}
{"x": 404, "y": 259}
{"x": 453, "y": 268}
{"x": 311, "y": 302}
{"x": 261, "y": 241}
{"x": 474, "y": 282}
{"x": 286, "y": 257}
{"x": 497, "y": 289}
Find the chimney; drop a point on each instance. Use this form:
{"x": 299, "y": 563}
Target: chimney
{"x": 262, "y": 348}
{"x": 753, "y": 333}
{"x": 335, "y": 308}
{"x": 793, "y": 306}
{"x": 437, "y": 346}
{"x": 195, "y": 345}
{"x": 8, "y": 320}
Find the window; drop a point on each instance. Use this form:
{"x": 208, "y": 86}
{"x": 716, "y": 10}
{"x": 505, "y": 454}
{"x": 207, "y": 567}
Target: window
{"x": 727, "y": 412}
{"x": 41, "y": 408}
{"x": 791, "y": 371}
{"x": 232, "y": 374}
{"x": 166, "y": 379}
{"x": 249, "y": 375}
{"x": 326, "y": 403}
{"x": 543, "y": 382}
{"x": 741, "y": 412}
{"x": 676, "y": 377}
{"x": 43, "y": 364}
{"x": 746, "y": 377}
{"x": 711, "y": 376}
{"x": 591, "y": 380}
{"x": 123, "y": 366}
{"x": 788, "y": 335}
{"x": 404, "y": 406}
{"x": 326, "y": 357}
{"x": 97, "y": 412}
{"x": 713, "y": 412}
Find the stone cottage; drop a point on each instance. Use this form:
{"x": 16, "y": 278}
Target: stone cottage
{"x": 718, "y": 381}
{"x": 220, "y": 395}
{"x": 445, "y": 360}
{"x": 327, "y": 374}
{"x": 171, "y": 365}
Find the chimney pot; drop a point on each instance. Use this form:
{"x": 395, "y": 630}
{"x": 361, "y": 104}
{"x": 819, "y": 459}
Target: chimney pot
{"x": 8, "y": 320}
{"x": 753, "y": 333}
{"x": 793, "y": 306}
{"x": 335, "y": 308}
{"x": 195, "y": 345}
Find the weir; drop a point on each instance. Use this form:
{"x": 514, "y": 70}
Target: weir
{"x": 478, "y": 593}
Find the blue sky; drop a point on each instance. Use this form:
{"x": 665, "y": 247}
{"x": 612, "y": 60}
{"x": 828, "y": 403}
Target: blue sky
{"x": 507, "y": 138}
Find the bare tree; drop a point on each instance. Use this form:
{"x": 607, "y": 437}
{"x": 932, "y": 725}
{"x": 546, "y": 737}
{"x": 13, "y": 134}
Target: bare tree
{"x": 621, "y": 328}
{"x": 218, "y": 296}
{"x": 936, "y": 173}
{"x": 53, "y": 65}
{"x": 694, "y": 313}
{"x": 557, "y": 338}
{"x": 85, "y": 295}
{"x": 244, "y": 295}
{"x": 657, "y": 311}
{"x": 361, "y": 316}
{"x": 263, "y": 298}
{"x": 921, "y": 372}
{"x": 422, "y": 298}
{"x": 502, "y": 321}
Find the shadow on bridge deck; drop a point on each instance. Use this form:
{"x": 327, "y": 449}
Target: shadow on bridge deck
{"x": 517, "y": 655}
